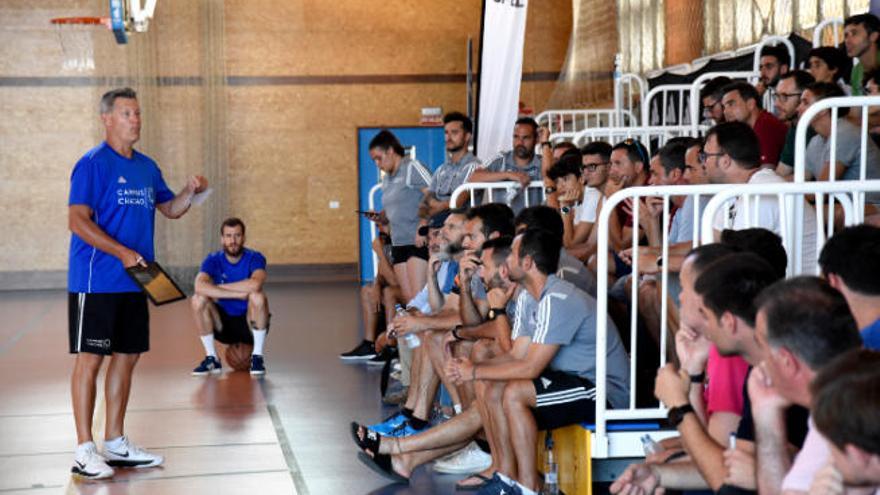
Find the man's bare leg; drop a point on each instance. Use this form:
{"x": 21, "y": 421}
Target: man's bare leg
{"x": 202, "y": 313}
{"x": 370, "y": 306}
{"x": 401, "y": 272}
{"x": 415, "y": 368}
{"x": 437, "y": 354}
{"x": 83, "y": 389}
{"x": 405, "y": 464}
{"x": 117, "y": 388}
{"x": 428, "y": 384}
{"x": 519, "y": 398}
{"x": 458, "y": 429}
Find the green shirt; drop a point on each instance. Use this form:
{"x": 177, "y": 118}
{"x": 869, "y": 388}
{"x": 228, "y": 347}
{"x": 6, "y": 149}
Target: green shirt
{"x": 857, "y": 75}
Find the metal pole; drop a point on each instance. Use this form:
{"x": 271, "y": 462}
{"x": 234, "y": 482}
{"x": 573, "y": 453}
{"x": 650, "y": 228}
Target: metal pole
{"x": 470, "y": 78}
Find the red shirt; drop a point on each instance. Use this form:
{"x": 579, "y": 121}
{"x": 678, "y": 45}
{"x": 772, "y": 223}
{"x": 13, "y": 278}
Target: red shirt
{"x": 771, "y": 135}
{"x": 724, "y": 391}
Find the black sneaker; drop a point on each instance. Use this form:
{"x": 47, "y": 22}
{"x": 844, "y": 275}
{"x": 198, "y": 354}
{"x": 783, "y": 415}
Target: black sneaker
{"x": 388, "y": 353}
{"x": 364, "y": 350}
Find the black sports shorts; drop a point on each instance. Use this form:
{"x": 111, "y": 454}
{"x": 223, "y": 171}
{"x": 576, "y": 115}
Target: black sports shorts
{"x": 104, "y": 323}
{"x": 399, "y": 254}
{"x": 563, "y": 399}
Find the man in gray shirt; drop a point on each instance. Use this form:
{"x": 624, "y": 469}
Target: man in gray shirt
{"x": 520, "y": 164}
{"x": 553, "y": 384}
{"x": 459, "y": 164}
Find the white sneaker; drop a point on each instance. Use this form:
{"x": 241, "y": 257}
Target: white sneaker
{"x": 89, "y": 464}
{"x": 470, "y": 459}
{"x": 128, "y": 454}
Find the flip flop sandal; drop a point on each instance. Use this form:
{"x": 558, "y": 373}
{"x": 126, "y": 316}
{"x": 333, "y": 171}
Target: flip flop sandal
{"x": 370, "y": 441}
{"x": 469, "y": 488}
{"x": 381, "y": 464}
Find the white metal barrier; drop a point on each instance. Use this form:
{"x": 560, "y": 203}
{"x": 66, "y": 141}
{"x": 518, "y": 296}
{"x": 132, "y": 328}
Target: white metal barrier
{"x": 670, "y": 102}
{"x": 374, "y": 230}
{"x": 836, "y": 26}
{"x": 648, "y": 136}
{"x": 567, "y": 122}
{"x": 608, "y": 444}
{"x": 490, "y": 190}
{"x": 625, "y": 87}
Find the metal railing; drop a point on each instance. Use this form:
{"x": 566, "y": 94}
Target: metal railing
{"x": 562, "y": 122}
{"x": 697, "y": 86}
{"x": 836, "y": 26}
{"x": 489, "y": 190}
{"x": 374, "y": 230}
{"x": 671, "y": 102}
{"x": 786, "y": 193}
{"x": 651, "y": 136}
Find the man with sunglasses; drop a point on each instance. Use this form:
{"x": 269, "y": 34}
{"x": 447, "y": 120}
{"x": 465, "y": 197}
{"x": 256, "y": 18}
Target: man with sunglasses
{"x": 710, "y": 96}
{"x": 787, "y": 100}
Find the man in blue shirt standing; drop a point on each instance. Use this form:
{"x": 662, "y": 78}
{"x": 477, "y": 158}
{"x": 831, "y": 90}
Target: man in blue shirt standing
{"x": 229, "y": 303}
{"x": 114, "y": 194}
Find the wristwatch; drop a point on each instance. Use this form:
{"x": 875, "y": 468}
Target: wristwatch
{"x": 549, "y": 189}
{"x": 496, "y": 312}
{"x": 698, "y": 378}
{"x": 565, "y": 210}
{"x": 676, "y": 414}
{"x": 546, "y": 143}
{"x": 455, "y": 333}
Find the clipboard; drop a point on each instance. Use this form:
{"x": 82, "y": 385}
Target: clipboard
{"x": 156, "y": 283}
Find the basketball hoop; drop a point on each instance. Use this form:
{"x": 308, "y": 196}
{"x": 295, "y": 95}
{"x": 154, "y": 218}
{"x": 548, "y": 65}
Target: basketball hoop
{"x": 75, "y": 36}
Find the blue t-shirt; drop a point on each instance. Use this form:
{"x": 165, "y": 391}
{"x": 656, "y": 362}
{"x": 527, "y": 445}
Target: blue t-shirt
{"x": 123, "y": 194}
{"x": 221, "y": 271}
{"x": 871, "y": 336}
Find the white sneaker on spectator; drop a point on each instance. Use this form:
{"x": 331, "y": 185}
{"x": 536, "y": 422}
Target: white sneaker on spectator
{"x": 470, "y": 459}
{"x": 89, "y": 464}
{"x": 123, "y": 453}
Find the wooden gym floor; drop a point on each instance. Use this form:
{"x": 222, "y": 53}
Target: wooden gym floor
{"x": 285, "y": 433}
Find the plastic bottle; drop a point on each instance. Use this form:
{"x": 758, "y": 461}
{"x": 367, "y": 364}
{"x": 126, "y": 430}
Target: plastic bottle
{"x": 411, "y": 339}
{"x": 650, "y": 446}
{"x": 551, "y": 474}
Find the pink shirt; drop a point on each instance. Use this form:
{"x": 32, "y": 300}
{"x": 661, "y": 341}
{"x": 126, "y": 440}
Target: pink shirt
{"x": 727, "y": 375}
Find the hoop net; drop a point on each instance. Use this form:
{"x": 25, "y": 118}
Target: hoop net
{"x": 75, "y": 35}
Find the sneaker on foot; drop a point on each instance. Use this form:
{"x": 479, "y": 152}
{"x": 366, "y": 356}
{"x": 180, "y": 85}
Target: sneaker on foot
{"x": 209, "y": 365}
{"x": 363, "y": 351}
{"x": 390, "y": 424}
{"x": 406, "y": 430}
{"x": 128, "y": 454}
{"x": 387, "y": 354}
{"x": 498, "y": 486}
{"x": 470, "y": 459}
{"x": 89, "y": 464}
{"x": 396, "y": 397}
{"x": 257, "y": 366}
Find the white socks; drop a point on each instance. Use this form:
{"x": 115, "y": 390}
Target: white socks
{"x": 208, "y": 343}
{"x": 259, "y": 340}
{"x": 457, "y": 409}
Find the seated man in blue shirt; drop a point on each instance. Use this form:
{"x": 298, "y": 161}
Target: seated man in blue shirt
{"x": 229, "y": 303}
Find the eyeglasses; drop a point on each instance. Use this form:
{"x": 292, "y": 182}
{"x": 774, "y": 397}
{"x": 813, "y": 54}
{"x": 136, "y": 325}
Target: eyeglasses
{"x": 785, "y": 96}
{"x": 703, "y": 156}
{"x": 591, "y": 167}
{"x": 632, "y": 143}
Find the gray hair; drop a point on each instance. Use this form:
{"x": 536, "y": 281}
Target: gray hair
{"x": 109, "y": 98}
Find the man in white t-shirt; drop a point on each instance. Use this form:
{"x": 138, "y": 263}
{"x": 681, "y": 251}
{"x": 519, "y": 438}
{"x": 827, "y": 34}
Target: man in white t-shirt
{"x": 731, "y": 155}
{"x": 577, "y": 204}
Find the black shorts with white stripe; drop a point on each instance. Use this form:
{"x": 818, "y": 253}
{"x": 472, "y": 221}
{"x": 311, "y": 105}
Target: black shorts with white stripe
{"x": 563, "y": 399}
{"x": 104, "y": 323}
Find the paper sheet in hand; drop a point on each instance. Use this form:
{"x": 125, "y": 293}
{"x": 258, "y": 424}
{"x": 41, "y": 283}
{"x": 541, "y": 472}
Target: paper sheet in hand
{"x": 200, "y": 198}
{"x": 156, "y": 284}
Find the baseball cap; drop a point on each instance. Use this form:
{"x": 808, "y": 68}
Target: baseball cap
{"x": 435, "y": 222}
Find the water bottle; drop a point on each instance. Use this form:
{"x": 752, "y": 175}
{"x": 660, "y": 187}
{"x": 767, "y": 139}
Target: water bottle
{"x": 411, "y": 339}
{"x": 511, "y": 193}
{"x": 650, "y": 446}
{"x": 551, "y": 474}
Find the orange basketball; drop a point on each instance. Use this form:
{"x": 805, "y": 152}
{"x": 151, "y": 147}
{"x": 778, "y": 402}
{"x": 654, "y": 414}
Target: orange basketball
{"x": 238, "y": 356}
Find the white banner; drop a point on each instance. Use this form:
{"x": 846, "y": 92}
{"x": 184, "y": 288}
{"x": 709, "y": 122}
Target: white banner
{"x": 504, "y": 32}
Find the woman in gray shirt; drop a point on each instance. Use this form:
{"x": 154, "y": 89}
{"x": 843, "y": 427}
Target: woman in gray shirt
{"x": 404, "y": 182}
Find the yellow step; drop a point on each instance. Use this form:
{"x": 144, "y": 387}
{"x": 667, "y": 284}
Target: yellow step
{"x": 571, "y": 448}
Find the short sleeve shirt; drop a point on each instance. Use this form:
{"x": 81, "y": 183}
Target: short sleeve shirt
{"x": 450, "y": 175}
{"x": 222, "y": 271}
{"x": 445, "y": 279}
{"x": 401, "y": 196}
{"x": 122, "y": 194}
{"x": 871, "y": 336}
{"x": 504, "y": 162}
{"x": 787, "y": 155}
{"x": 587, "y": 210}
{"x": 682, "y": 228}
{"x": 524, "y": 316}
{"x": 771, "y": 136}
{"x": 573, "y": 270}
{"x": 763, "y": 211}
{"x": 849, "y": 147}
{"x": 566, "y": 316}
{"x": 726, "y": 378}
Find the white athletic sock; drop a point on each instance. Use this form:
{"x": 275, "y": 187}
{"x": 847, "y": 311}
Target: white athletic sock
{"x": 259, "y": 340}
{"x": 113, "y": 444}
{"x": 523, "y": 489}
{"x": 457, "y": 409}
{"x": 208, "y": 343}
{"x": 81, "y": 448}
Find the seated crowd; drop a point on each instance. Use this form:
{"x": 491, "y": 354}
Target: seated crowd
{"x": 485, "y": 317}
